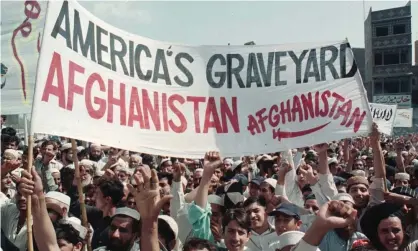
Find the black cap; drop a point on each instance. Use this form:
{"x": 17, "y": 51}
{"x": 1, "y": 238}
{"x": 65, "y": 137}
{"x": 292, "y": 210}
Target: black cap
{"x": 287, "y": 209}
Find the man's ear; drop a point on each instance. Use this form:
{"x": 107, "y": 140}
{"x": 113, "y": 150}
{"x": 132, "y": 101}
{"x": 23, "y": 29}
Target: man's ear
{"x": 299, "y": 223}
{"x": 78, "y": 246}
{"x": 64, "y": 212}
{"x": 108, "y": 199}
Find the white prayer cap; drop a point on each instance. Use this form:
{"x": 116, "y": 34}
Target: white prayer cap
{"x": 332, "y": 161}
{"x": 76, "y": 224}
{"x": 358, "y": 173}
{"x": 171, "y": 223}
{"x": 215, "y": 199}
{"x": 289, "y": 238}
{"x": 86, "y": 163}
{"x": 10, "y": 154}
{"x": 402, "y": 177}
{"x": 80, "y": 148}
{"x": 54, "y": 170}
{"x": 345, "y": 197}
{"x": 60, "y": 197}
{"x": 66, "y": 146}
{"x": 184, "y": 181}
{"x": 163, "y": 161}
{"x": 198, "y": 170}
{"x": 228, "y": 161}
{"x": 271, "y": 182}
{"x": 126, "y": 211}
{"x": 264, "y": 156}
{"x": 236, "y": 164}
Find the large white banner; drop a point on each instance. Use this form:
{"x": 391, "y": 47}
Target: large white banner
{"x": 404, "y": 118}
{"x": 101, "y": 84}
{"x": 22, "y": 25}
{"x": 384, "y": 116}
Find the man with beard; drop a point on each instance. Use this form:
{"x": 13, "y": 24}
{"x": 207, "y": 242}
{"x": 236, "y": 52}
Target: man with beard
{"x": 262, "y": 234}
{"x": 123, "y": 231}
{"x": 95, "y": 152}
{"x": 44, "y": 165}
{"x": 67, "y": 155}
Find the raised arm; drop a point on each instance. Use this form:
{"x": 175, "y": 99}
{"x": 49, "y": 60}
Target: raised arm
{"x": 43, "y": 230}
{"x": 211, "y": 162}
{"x": 149, "y": 203}
{"x": 326, "y": 180}
{"x": 332, "y": 215}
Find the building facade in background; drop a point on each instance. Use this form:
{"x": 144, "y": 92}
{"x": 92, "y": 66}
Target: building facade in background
{"x": 388, "y": 57}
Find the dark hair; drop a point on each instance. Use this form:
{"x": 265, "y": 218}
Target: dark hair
{"x": 165, "y": 230}
{"x": 68, "y": 233}
{"x": 168, "y": 176}
{"x": 4, "y": 117}
{"x": 50, "y": 142}
{"x": 87, "y": 188}
{"x": 196, "y": 243}
{"x": 67, "y": 176}
{"x": 147, "y": 159}
{"x": 259, "y": 200}
{"x": 111, "y": 187}
{"x": 5, "y": 139}
{"x": 238, "y": 215}
{"x": 8, "y": 131}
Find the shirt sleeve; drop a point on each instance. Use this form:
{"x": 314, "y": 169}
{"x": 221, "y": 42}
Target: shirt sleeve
{"x": 327, "y": 184}
{"x": 319, "y": 195}
{"x": 178, "y": 199}
{"x": 199, "y": 218}
{"x": 376, "y": 189}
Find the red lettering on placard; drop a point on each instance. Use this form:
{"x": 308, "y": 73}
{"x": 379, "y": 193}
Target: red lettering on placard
{"x": 196, "y": 101}
{"x": 135, "y": 109}
{"x": 304, "y": 107}
{"x": 139, "y": 108}
{"x": 115, "y": 101}
{"x": 212, "y": 117}
{"x": 55, "y": 69}
{"x": 100, "y": 112}
{"x": 72, "y": 86}
{"x": 183, "y": 122}
{"x": 32, "y": 11}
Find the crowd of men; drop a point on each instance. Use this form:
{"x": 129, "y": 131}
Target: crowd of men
{"x": 353, "y": 194}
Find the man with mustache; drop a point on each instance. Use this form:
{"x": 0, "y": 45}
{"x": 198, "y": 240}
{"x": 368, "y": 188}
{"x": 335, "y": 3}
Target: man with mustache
{"x": 123, "y": 231}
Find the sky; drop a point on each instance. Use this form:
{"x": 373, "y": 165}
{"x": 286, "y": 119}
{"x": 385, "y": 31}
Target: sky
{"x": 237, "y": 22}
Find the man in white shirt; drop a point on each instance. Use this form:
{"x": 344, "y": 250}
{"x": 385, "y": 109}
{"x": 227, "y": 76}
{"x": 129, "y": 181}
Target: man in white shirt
{"x": 262, "y": 233}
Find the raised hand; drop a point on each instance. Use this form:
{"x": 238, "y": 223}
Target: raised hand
{"x": 335, "y": 214}
{"x": 211, "y": 162}
{"x": 10, "y": 165}
{"x": 147, "y": 195}
{"x": 178, "y": 170}
{"x": 309, "y": 174}
{"x": 30, "y": 184}
{"x": 320, "y": 148}
{"x": 375, "y": 134}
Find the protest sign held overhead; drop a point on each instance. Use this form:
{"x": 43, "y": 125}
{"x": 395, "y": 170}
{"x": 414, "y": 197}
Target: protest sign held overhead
{"x": 403, "y": 117}
{"x": 384, "y": 116}
{"x": 102, "y": 84}
{"x": 21, "y": 24}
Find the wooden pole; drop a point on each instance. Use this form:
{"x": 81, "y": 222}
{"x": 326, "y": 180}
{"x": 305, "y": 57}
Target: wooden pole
{"x": 80, "y": 190}
{"x": 29, "y": 199}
